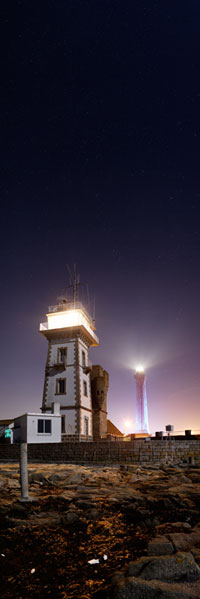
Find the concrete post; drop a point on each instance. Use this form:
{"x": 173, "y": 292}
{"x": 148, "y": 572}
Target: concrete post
{"x": 24, "y": 472}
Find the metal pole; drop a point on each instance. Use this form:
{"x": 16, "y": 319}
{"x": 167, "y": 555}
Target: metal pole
{"x": 24, "y": 472}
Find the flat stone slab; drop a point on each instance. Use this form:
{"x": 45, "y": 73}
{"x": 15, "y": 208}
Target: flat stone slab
{"x": 160, "y": 546}
{"x": 169, "y": 568}
{"x": 181, "y": 525}
{"x": 135, "y": 588}
{"x": 183, "y": 541}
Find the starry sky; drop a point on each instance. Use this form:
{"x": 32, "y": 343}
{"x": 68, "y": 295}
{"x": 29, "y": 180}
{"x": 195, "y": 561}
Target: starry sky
{"x": 100, "y": 167}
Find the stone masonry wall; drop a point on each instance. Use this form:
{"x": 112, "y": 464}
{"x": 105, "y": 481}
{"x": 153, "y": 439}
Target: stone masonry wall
{"x": 138, "y": 451}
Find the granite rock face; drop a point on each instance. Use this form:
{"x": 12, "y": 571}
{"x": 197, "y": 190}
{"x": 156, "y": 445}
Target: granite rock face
{"x": 184, "y": 541}
{"x": 136, "y": 588}
{"x": 168, "y": 568}
{"x": 160, "y": 546}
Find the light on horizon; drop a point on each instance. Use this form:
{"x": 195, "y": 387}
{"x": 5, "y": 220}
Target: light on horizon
{"x": 140, "y": 368}
{"x": 127, "y": 426}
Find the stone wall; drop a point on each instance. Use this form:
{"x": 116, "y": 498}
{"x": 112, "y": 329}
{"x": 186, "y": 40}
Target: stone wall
{"x": 138, "y": 451}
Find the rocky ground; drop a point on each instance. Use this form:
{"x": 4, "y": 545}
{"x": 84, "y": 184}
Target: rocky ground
{"x": 101, "y": 532}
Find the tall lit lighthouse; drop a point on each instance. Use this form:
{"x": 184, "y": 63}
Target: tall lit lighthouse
{"x": 142, "y": 425}
{"x": 69, "y": 331}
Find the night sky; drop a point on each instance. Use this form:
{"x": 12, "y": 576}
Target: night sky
{"x": 100, "y": 167}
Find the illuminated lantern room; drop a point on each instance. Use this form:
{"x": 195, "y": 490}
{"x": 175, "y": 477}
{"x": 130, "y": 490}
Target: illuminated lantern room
{"x": 70, "y": 332}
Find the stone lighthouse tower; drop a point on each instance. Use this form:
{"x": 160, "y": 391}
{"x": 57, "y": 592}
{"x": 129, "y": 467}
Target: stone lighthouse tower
{"x": 99, "y": 388}
{"x": 69, "y": 331}
{"x": 142, "y": 425}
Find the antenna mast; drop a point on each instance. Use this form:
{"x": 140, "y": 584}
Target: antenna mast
{"x": 74, "y": 283}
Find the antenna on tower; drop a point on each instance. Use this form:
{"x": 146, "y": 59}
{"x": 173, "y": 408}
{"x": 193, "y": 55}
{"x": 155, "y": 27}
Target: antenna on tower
{"x": 76, "y": 283}
{"x": 94, "y": 309}
{"x": 74, "y": 280}
{"x": 88, "y": 297}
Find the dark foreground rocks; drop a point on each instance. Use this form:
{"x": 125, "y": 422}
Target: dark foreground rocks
{"x": 164, "y": 572}
{"x": 166, "y": 576}
{"x": 104, "y": 532}
{"x": 135, "y": 588}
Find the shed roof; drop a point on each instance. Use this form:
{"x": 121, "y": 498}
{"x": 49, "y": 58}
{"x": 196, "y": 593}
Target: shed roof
{"x": 113, "y": 430}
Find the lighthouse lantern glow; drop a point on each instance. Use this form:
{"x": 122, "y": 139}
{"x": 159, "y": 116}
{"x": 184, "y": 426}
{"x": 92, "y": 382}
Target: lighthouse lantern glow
{"x": 140, "y": 368}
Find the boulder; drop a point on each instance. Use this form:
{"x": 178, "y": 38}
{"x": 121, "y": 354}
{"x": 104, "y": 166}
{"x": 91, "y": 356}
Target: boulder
{"x": 196, "y": 553}
{"x": 83, "y": 504}
{"x": 136, "y": 588}
{"x": 37, "y": 477}
{"x": 75, "y": 479}
{"x": 64, "y": 498}
{"x": 167, "y": 568}
{"x": 183, "y": 541}
{"x": 181, "y": 525}
{"x": 160, "y": 546}
{"x": 134, "y": 568}
{"x": 92, "y": 514}
{"x": 70, "y": 518}
{"x": 55, "y": 478}
{"x": 171, "y": 527}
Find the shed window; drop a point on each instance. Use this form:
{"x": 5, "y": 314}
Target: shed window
{"x": 44, "y": 426}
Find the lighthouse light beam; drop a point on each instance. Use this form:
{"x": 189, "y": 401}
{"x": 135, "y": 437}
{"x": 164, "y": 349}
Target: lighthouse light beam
{"x": 142, "y": 425}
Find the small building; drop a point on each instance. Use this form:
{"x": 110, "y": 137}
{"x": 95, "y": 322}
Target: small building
{"x": 37, "y": 428}
{"x": 6, "y": 430}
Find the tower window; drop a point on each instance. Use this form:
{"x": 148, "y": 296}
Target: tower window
{"x": 85, "y": 388}
{"x": 44, "y": 426}
{"x": 83, "y": 359}
{"x": 60, "y": 386}
{"x": 62, "y": 355}
{"x": 86, "y": 427}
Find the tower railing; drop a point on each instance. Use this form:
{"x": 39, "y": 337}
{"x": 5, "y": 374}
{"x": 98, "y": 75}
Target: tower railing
{"x": 62, "y": 307}
{"x": 43, "y": 326}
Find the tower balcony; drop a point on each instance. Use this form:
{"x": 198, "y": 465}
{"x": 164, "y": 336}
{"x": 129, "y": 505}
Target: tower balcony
{"x": 59, "y": 366}
{"x": 71, "y": 321}
{"x": 43, "y": 326}
{"x": 68, "y": 306}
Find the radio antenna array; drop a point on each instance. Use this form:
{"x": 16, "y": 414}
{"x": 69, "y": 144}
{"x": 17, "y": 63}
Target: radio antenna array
{"x": 74, "y": 280}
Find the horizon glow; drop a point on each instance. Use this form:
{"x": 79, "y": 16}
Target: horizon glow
{"x": 140, "y": 368}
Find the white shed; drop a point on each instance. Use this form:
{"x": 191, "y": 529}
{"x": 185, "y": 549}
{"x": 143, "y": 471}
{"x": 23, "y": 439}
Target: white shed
{"x": 37, "y": 428}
